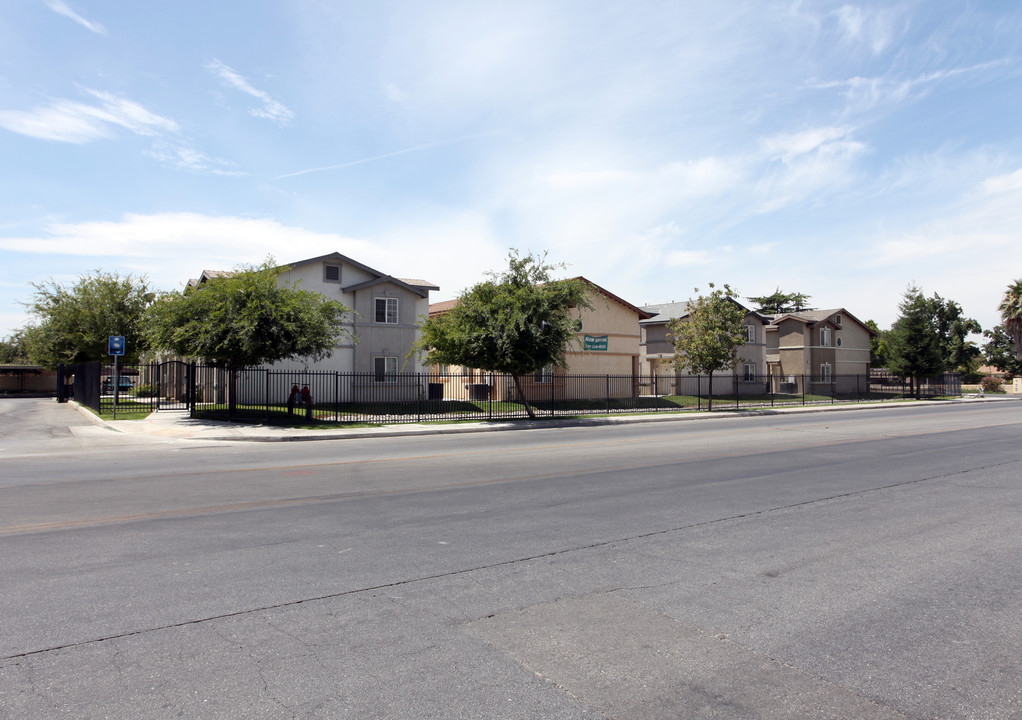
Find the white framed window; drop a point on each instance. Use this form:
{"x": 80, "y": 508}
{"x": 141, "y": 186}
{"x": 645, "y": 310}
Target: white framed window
{"x": 386, "y": 310}
{"x": 825, "y": 337}
{"x": 750, "y": 333}
{"x": 443, "y": 370}
{"x": 545, "y": 374}
{"x": 825, "y": 372}
{"x": 332, "y": 273}
{"x": 749, "y": 372}
{"x": 385, "y": 369}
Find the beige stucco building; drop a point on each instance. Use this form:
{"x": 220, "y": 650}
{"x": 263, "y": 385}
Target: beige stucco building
{"x": 829, "y": 348}
{"x": 604, "y": 362}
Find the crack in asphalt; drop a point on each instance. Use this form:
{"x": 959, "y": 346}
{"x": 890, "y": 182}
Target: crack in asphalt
{"x": 503, "y": 563}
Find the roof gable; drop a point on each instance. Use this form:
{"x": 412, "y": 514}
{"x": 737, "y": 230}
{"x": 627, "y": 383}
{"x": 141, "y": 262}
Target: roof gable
{"x": 385, "y": 279}
{"x": 817, "y": 317}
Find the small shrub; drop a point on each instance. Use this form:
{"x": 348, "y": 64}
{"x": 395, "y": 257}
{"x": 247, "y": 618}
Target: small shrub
{"x": 990, "y": 384}
{"x": 144, "y": 391}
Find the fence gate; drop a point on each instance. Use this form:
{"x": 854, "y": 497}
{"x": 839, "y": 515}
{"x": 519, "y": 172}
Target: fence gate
{"x": 173, "y": 385}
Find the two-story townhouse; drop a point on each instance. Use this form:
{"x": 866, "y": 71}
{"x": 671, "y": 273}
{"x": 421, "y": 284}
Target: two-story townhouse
{"x": 828, "y": 348}
{"x": 659, "y": 374}
{"x": 381, "y": 330}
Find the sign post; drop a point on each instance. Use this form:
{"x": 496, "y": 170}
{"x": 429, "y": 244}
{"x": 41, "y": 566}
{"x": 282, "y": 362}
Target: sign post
{"x": 115, "y": 347}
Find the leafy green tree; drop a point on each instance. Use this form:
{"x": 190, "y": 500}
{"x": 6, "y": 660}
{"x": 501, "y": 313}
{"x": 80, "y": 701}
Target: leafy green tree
{"x": 707, "y": 339}
{"x": 913, "y": 341}
{"x": 878, "y": 348}
{"x": 1011, "y": 313}
{"x": 75, "y": 322}
{"x": 516, "y": 322}
{"x": 246, "y": 318}
{"x": 952, "y": 329}
{"x": 1000, "y": 352}
{"x": 778, "y": 303}
{"x": 12, "y": 349}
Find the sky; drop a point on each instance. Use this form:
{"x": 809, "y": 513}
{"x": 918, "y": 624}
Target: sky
{"x": 842, "y": 150}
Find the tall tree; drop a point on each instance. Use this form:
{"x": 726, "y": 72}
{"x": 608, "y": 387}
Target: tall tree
{"x": 779, "y": 302}
{"x": 999, "y": 351}
{"x": 246, "y": 318}
{"x": 516, "y": 322}
{"x": 706, "y": 340}
{"x": 75, "y": 321}
{"x": 913, "y": 341}
{"x": 952, "y": 328}
{"x": 12, "y": 349}
{"x": 1011, "y": 313}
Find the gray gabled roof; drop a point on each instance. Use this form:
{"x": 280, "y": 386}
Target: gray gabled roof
{"x": 812, "y": 317}
{"x": 417, "y": 289}
{"x": 665, "y": 312}
{"x": 420, "y": 287}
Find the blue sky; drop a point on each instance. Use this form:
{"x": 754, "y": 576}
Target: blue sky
{"x": 843, "y": 150}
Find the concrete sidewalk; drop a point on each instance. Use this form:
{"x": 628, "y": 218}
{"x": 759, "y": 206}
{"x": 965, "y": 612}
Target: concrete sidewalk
{"x": 177, "y": 424}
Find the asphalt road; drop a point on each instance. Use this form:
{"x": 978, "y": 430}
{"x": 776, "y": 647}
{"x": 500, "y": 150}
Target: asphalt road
{"x": 834, "y": 565}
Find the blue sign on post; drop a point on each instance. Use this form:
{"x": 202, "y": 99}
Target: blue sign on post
{"x": 116, "y": 346}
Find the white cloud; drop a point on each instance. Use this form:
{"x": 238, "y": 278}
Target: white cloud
{"x": 876, "y": 29}
{"x": 683, "y": 258}
{"x": 61, "y": 8}
{"x": 791, "y": 145}
{"x": 270, "y": 109}
{"x": 172, "y": 247}
{"x": 1008, "y": 182}
{"x": 573, "y": 180}
{"x": 178, "y": 153}
{"x": 866, "y": 93}
{"x": 76, "y": 122}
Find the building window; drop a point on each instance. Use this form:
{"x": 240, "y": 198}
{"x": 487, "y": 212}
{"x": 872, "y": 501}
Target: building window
{"x": 837, "y": 319}
{"x": 386, "y": 310}
{"x": 750, "y": 333}
{"x": 385, "y": 369}
{"x": 331, "y": 273}
{"x": 749, "y": 372}
{"x": 825, "y": 337}
{"x": 444, "y": 370}
{"x": 838, "y": 341}
{"x": 825, "y": 372}
{"x": 545, "y": 374}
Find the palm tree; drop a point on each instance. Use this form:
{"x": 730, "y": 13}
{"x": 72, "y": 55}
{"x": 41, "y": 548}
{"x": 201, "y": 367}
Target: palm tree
{"x": 1011, "y": 313}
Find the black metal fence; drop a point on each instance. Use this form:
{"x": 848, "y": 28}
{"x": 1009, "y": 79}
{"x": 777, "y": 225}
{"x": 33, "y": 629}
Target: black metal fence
{"x": 132, "y": 389}
{"x": 277, "y": 396}
{"x": 314, "y": 397}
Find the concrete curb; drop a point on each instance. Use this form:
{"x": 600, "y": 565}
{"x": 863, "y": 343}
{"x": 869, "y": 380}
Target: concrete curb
{"x": 257, "y": 433}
